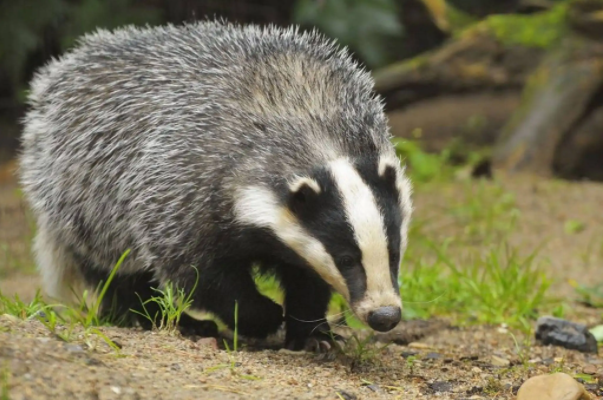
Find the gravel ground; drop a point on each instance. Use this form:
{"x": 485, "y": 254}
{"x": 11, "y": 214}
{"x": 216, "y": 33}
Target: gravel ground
{"x": 478, "y": 363}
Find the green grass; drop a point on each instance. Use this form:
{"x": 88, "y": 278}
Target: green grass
{"x": 486, "y": 211}
{"x": 591, "y": 295}
{"x": 66, "y": 322}
{"x": 172, "y": 303}
{"x": 573, "y": 226}
{"x": 232, "y": 353}
{"x": 4, "y": 385}
{"x": 360, "y": 351}
{"x": 16, "y": 307}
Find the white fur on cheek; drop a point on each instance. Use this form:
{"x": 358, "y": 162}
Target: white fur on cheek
{"x": 258, "y": 206}
{"x": 369, "y": 230}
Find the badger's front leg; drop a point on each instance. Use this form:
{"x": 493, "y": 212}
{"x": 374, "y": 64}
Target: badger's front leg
{"x": 220, "y": 288}
{"x": 306, "y": 302}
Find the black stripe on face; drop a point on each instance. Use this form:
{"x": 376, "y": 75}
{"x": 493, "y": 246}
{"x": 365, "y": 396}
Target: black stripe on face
{"x": 386, "y": 195}
{"x": 323, "y": 216}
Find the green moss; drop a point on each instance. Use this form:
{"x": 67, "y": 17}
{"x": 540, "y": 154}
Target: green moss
{"x": 541, "y": 30}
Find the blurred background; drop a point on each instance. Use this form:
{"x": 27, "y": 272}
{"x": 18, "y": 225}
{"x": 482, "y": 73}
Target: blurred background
{"x": 509, "y": 84}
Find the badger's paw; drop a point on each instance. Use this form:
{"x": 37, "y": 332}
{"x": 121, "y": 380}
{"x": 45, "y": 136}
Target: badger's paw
{"x": 190, "y": 327}
{"x": 324, "y": 341}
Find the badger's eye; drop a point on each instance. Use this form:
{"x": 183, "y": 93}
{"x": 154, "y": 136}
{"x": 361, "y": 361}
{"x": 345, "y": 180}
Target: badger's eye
{"x": 346, "y": 262}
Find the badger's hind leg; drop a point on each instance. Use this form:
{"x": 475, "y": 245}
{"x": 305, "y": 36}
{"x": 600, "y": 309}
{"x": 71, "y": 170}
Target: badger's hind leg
{"x": 123, "y": 301}
{"x": 58, "y": 268}
{"x": 126, "y": 303}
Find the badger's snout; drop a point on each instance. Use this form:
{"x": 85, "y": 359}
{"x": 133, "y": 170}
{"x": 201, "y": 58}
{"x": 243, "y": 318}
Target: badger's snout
{"x": 384, "y": 319}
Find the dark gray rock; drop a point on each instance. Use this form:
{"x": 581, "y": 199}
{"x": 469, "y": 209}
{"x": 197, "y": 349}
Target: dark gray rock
{"x": 563, "y": 333}
{"x": 374, "y": 388}
{"x": 346, "y": 395}
{"x": 432, "y": 356}
{"x": 441, "y": 386}
{"x": 406, "y": 354}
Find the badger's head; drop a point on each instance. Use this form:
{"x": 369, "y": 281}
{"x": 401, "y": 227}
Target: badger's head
{"x": 348, "y": 221}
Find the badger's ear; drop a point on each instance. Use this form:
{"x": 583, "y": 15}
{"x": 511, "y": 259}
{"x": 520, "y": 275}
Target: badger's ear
{"x": 301, "y": 192}
{"x": 387, "y": 170}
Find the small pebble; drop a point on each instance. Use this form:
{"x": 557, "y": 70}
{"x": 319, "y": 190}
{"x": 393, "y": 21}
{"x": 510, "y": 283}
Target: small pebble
{"x": 208, "y": 342}
{"x": 557, "y": 386}
{"x": 499, "y": 361}
{"x": 115, "y": 389}
{"x": 590, "y": 369}
{"x": 10, "y": 318}
{"x": 406, "y": 354}
{"x": 441, "y": 386}
{"x": 432, "y": 356}
{"x": 346, "y": 395}
{"x": 374, "y": 388}
{"x": 293, "y": 353}
{"x": 74, "y": 348}
{"x": 419, "y": 345}
{"x": 476, "y": 370}
{"x": 40, "y": 314}
{"x": 93, "y": 362}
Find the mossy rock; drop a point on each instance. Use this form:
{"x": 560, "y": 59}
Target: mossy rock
{"x": 473, "y": 62}
{"x": 541, "y": 30}
{"x": 498, "y": 52}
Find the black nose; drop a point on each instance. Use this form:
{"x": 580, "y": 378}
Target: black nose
{"x": 385, "y": 318}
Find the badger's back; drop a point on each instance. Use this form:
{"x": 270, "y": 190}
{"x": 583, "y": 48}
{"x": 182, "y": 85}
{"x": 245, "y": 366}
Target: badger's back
{"x": 136, "y": 138}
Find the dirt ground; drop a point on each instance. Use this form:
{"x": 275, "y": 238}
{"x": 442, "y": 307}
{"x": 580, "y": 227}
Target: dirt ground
{"x": 440, "y": 362}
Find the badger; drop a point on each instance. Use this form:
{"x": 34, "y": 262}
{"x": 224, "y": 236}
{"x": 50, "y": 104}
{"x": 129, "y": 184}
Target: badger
{"x": 208, "y": 149}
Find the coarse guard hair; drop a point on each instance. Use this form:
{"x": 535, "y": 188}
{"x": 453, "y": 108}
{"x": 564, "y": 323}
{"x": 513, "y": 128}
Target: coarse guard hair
{"x": 207, "y": 149}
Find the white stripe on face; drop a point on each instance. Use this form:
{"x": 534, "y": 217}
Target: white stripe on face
{"x": 258, "y": 206}
{"x": 367, "y": 224}
{"x": 404, "y": 192}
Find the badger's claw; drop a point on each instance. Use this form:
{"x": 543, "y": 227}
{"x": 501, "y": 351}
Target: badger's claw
{"x": 319, "y": 342}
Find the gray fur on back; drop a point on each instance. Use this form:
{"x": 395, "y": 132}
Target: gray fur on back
{"x": 137, "y": 138}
